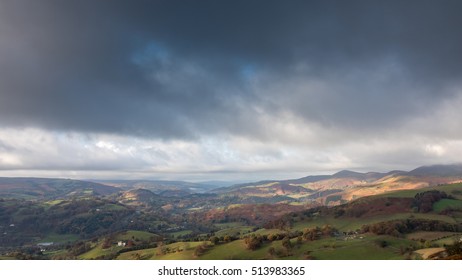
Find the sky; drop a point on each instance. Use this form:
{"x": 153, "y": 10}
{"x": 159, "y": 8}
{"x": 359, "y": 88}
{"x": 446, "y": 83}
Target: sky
{"x": 228, "y": 90}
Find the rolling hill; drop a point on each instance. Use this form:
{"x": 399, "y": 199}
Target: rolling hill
{"x": 50, "y": 188}
{"x": 347, "y": 185}
{"x": 166, "y": 188}
{"x": 406, "y": 224}
{"x": 348, "y": 214}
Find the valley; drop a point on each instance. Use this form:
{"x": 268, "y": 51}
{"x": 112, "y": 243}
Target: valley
{"x": 347, "y": 215}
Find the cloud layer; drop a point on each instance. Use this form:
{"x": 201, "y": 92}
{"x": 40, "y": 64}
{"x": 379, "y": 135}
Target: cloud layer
{"x": 228, "y": 86}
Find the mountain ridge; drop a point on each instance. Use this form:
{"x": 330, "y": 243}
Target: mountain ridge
{"x": 331, "y": 189}
{"x": 347, "y": 185}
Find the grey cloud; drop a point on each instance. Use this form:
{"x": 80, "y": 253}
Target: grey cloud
{"x": 180, "y": 69}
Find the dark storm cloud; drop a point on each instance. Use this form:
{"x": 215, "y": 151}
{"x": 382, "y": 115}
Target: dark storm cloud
{"x": 178, "y": 69}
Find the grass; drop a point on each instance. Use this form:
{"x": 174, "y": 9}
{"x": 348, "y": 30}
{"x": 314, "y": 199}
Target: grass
{"x": 53, "y": 202}
{"x": 179, "y": 233}
{"x": 227, "y": 225}
{"x": 234, "y": 250}
{"x": 185, "y": 251}
{"x": 448, "y": 240}
{"x": 234, "y": 229}
{"x": 452, "y": 189}
{"x": 263, "y": 231}
{"x": 136, "y": 234}
{"x": 182, "y": 251}
{"x": 59, "y": 238}
{"x": 328, "y": 249}
{"x": 114, "y": 207}
{"x": 359, "y": 249}
{"x": 237, "y": 231}
{"x": 54, "y": 253}
{"x": 444, "y": 204}
{"x": 98, "y": 251}
{"x": 431, "y": 216}
{"x": 429, "y": 235}
{"x": 403, "y": 193}
{"x": 348, "y": 223}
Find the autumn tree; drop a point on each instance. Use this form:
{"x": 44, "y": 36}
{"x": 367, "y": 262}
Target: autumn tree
{"x": 215, "y": 240}
{"x": 311, "y": 233}
{"x": 252, "y": 242}
{"x": 286, "y": 243}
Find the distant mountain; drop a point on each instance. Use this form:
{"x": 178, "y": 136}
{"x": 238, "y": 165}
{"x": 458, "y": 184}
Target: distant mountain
{"x": 50, "y": 188}
{"x": 364, "y": 176}
{"x": 308, "y": 179}
{"x": 438, "y": 170}
{"x": 167, "y": 188}
{"x": 343, "y": 178}
{"x": 347, "y": 185}
{"x": 348, "y": 174}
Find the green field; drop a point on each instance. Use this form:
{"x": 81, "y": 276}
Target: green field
{"x": 364, "y": 248}
{"x": 452, "y": 189}
{"x": 228, "y": 225}
{"x": 177, "y": 251}
{"x": 444, "y": 204}
{"x": 114, "y": 207}
{"x": 59, "y": 238}
{"x": 263, "y": 231}
{"x": 177, "y": 234}
{"x": 429, "y": 235}
{"x": 136, "y": 235}
{"x": 53, "y": 202}
{"x": 348, "y": 223}
{"x": 236, "y": 231}
{"x": 234, "y": 250}
{"x": 98, "y": 251}
{"x": 358, "y": 248}
{"x": 185, "y": 251}
{"x": 449, "y": 240}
